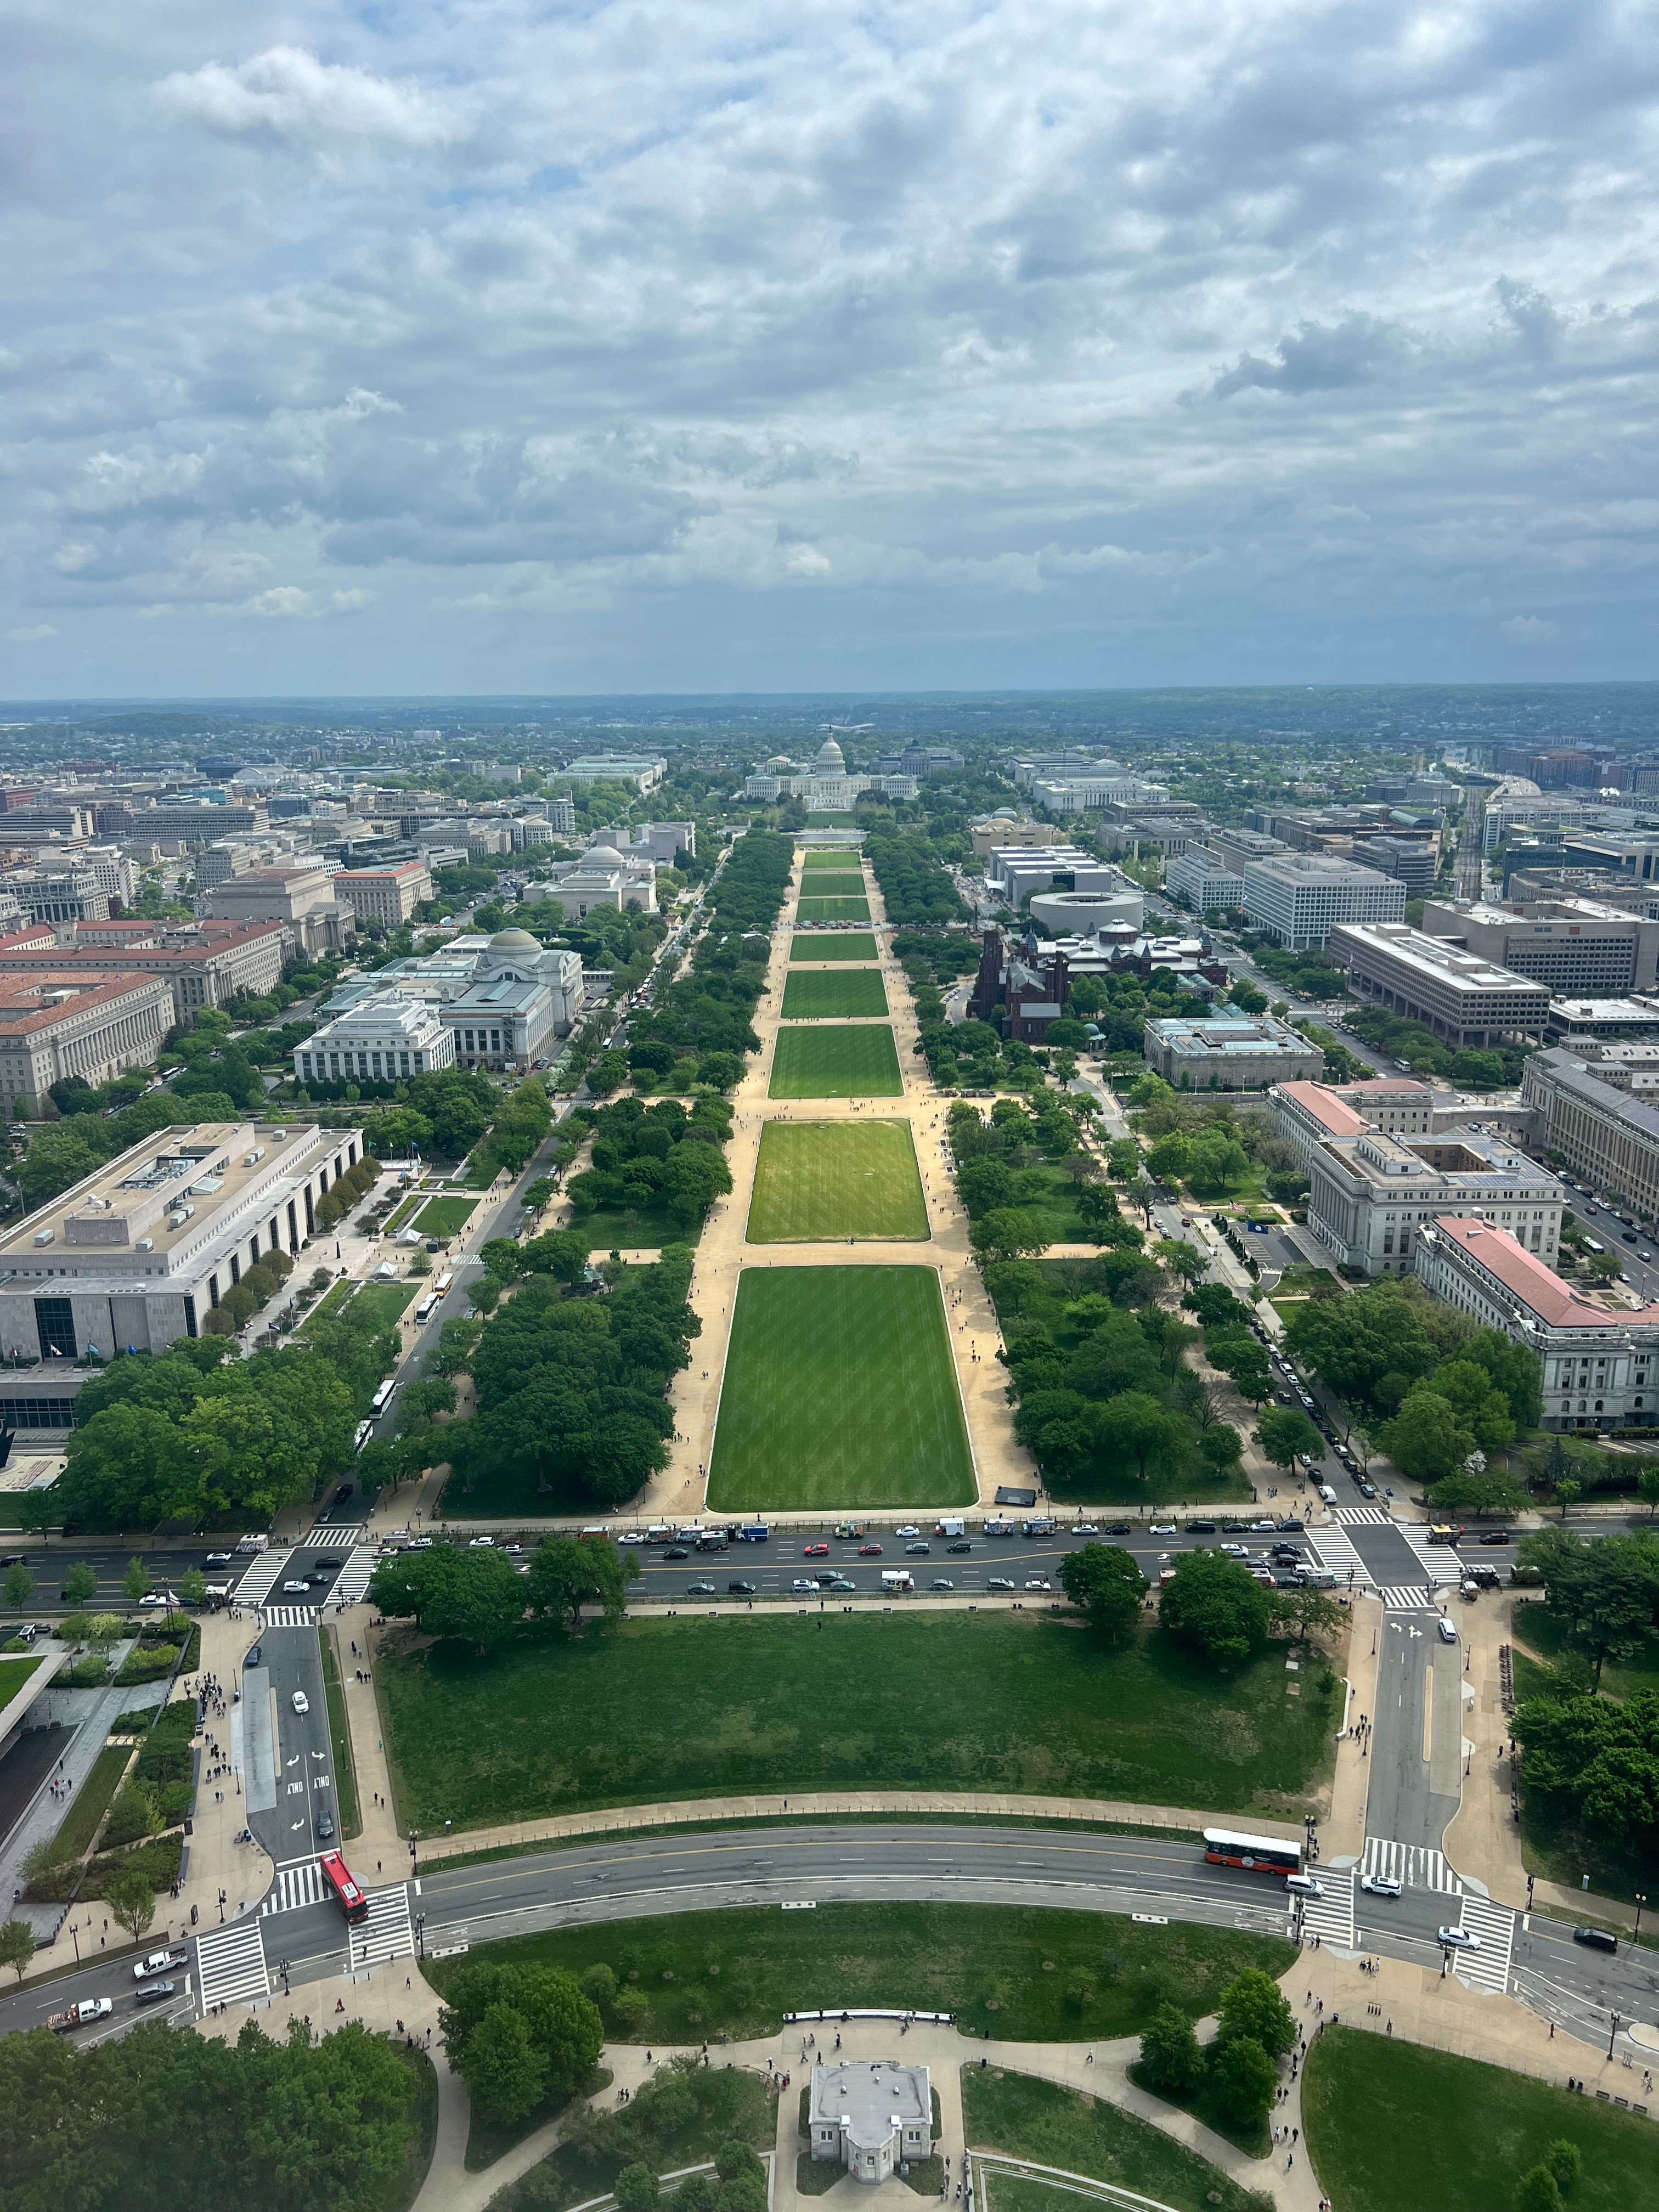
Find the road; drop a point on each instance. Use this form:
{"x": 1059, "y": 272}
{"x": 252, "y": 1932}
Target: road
{"x": 627, "y": 1878}
{"x": 1416, "y": 1765}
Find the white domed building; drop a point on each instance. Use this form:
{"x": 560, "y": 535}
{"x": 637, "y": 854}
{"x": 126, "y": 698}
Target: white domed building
{"x": 603, "y": 877}
{"x": 827, "y": 787}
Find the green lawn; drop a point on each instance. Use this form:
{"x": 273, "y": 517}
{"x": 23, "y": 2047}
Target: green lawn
{"x": 1395, "y": 2127}
{"x": 816, "y": 1180}
{"x": 840, "y": 1390}
{"x": 726, "y": 2105}
{"x": 634, "y": 1228}
{"x": 445, "y": 1217}
{"x": 1541, "y": 1632}
{"x": 838, "y": 1061}
{"x": 382, "y": 1304}
{"x": 833, "y": 883}
{"x": 738, "y": 1971}
{"x": 1024, "y": 2117}
{"x": 14, "y": 1674}
{"x": 654, "y": 1710}
{"x": 852, "y": 945}
{"x": 831, "y": 857}
{"x": 339, "y": 1730}
{"x": 846, "y": 994}
{"x": 810, "y": 911}
{"x": 831, "y": 822}
{"x": 332, "y": 1299}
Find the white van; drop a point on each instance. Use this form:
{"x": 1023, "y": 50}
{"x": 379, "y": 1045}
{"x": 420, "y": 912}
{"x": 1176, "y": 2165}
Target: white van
{"x": 1328, "y": 1493}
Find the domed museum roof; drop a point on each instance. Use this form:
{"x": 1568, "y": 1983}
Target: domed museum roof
{"x": 602, "y": 856}
{"x": 513, "y": 940}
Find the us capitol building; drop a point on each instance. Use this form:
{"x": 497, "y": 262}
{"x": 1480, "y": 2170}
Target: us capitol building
{"x": 826, "y": 787}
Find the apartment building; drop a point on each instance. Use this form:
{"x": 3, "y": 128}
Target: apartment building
{"x": 1299, "y": 898}
{"x": 1601, "y": 1367}
{"x": 1460, "y": 998}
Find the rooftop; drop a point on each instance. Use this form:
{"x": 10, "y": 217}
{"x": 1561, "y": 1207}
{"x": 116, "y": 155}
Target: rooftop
{"x": 1325, "y": 1106}
{"x": 1538, "y": 1289}
{"x": 1464, "y": 971}
{"x": 1303, "y": 867}
{"x": 1238, "y": 1035}
{"x": 869, "y": 2097}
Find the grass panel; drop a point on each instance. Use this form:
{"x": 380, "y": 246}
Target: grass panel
{"x": 810, "y": 911}
{"x": 850, "y": 994}
{"x": 653, "y": 1708}
{"x": 836, "y": 1063}
{"x": 1028, "y": 2118}
{"x": 1473, "y": 2131}
{"x": 445, "y": 1217}
{"x": 840, "y": 1390}
{"x": 740, "y": 1970}
{"x": 728, "y": 2105}
{"x": 851, "y": 944}
{"x": 816, "y": 1180}
{"x": 833, "y": 883}
{"x": 832, "y": 857}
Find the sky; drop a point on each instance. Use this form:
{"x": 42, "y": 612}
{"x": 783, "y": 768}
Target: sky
{"x": 638, "y": 346}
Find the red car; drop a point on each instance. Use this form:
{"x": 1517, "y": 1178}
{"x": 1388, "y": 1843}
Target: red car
{"x": 815, "y": 1551}
{"x": 869, "y": 1551}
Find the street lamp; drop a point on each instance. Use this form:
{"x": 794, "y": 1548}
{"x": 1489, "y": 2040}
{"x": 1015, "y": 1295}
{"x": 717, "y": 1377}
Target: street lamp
{"x": 1641, "y": 1900}
{"x": 420, "y": 1933}
{"x": 75, "y": 1932}
{"x": 1612, "y": 2033}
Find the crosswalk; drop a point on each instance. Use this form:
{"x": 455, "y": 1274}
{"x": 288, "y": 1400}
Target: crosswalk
{"x": 354, "y": 1576}
{"x": 289, "y": 1616}
{"x": 1331, "y": 1917}
{"x": 1404, "y": 1597}
{"x": 298, "y": 1885}
{"x": 1337, "y": 1555}
{"x": 1412, "y": 1864}
{"x": 255, "y": 1584}
{"x": 387, "y": 1932}
{"x": 1488, "y": 1968}
{"x": 1361, "y": 1516}
{"x": 1440, "y": 1563}
{"x": 230, "y": 1965}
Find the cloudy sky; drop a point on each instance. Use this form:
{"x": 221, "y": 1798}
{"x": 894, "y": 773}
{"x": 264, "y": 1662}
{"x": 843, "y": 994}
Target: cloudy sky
{"x": 687, "y": 344}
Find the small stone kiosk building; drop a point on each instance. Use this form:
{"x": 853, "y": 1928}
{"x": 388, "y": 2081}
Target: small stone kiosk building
{"x": 872, "y": 2115}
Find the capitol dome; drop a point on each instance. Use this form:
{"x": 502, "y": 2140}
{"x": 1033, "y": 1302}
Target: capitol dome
{"x": 829, "y": 761}
{"x": 513, "y": 940}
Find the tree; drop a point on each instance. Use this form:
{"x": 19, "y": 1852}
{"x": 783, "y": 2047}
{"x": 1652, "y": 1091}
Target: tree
{"x": 1285, "y": 1433}
{"x": 192, "y": 1587}
{"x": 636, "y": 2188}
{"x": 16, "y": 1946}
{"x": 1170, "y": 2059}
{"x": 1170, "y": 1157}
{"x": 20, "y": 1587}
{"x": 1133, "y": 1426}
{"x": 1566, "y": 1492}
{"x": 1106, "y": 1581}
{"x": 1254, "y": 2005}
{"x": 1469, "y": 1493}
{"x": 1426, "y": 1439}
{"x": 1537, "y": 2190}
{"x": 1647, "y": 1489}
{"x": 1566, "y": 2162}
{"x": 564, "y": 2027}
{"x": 1220, "y": 1447}
{"x": 136, "y": 1581}
{"x": 505, "y": 2074}
{"x": 1182, "y": 1259}
{"x": 1217, "y": 1606}
{"x": 566, "y": 1571}
{"x": 1123, "y": 1158}
{"x": 1245, "y": 2078}
{"x": 1216, "y": 1162}
{"x": 1481, "y": 1408}
{"x": 473, "y": 1595}
{"x": 1010, "y": 1232}
{"x": 1308, "y": 1612}
{"x": 132, "y": 1901}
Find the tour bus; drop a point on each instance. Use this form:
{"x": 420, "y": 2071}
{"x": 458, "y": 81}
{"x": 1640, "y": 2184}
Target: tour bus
{"x": 441, "y": 1281}
{"x": 426, "y": 1309}
{"x": 382, "y": 1397}
{"x": 1257, "y": 1854}
{"x": 342, "y": 1887}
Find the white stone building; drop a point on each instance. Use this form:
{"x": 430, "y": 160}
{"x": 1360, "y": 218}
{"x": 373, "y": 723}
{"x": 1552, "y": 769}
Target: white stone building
{"x": 1299, "y": 898}
{"x": 871, "y": 2115}
{"x": 384, "y": 1038}
{"x": 828, "y": 786}
{"x": 603, "y": 877}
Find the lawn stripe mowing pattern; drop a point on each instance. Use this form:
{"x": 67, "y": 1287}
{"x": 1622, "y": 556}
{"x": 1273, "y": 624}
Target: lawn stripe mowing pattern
{"x": 829, "y": 859}
{"x": 816, "y": 1180}
{"x": 1392, "y": 2127}
{"x": 839, "y": 1062}
{"x": 1023, "y": 2117}
{"x": 845, "y": 994}
{"x": 929, "y": 1957}
{"x": 833, "y": 910}
{"x": 840, "y": 1390}
{"x": 823, "y": 884}
{"x": 852, "y": 945}
{"x": 657, "y": 1710}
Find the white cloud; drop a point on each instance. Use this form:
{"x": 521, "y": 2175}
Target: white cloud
{"x": 30, "y": 634}
{"x": 283, "y": 602}
{"x": 1529, "y": 629}
{"x": 288, "y": 93}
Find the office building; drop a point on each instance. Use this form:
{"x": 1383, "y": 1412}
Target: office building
{"x": 207, "y": 965}
{"x": 138, "y": 1253}
{"x": 1592, "y": 1112}
{"x": 1236, "y": 848}
{"x": 1416, "y": 866}
{"x": 1230, "y": 1051}
{"x": 1201, "y": 878}
{"x": 1583, "y": 1024}
{"x": 562, "y": 814}
{"x": 384, "y": 1038}
{"x": 643, "y": 775}
{"x": 1600, "y": 1366}
{"x": 1004, "y": 828}
{"x": 1370, "y": 1194}
{"x": 1299, "y": 898}
{"x": 301, "y": 897}
{"x": 1306, "y": 1113}
{"x": 388, "y": 895}
{"x": 1579, "y": 947}
{"x": 1458, "y": 997}
{"x": 603, "y": 877}
{"x": 56, "y": 1024}
{"x": 1092, "y": 789}
{"x": 67, "y": 894}
{"x": 177, "y": 828}
{"x": 1013, "y": 873}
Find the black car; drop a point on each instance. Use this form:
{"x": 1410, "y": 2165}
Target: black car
{"x": 1200, "y": 1528}
{"x": 742, "y": 1589}
{"x": 1118, "y": 1528}
{"x": 1291, "y": 1528}
{"x": 1498, "y": 1536}
{"x": 1235, "y": 1527}
{"x": 916, "y": 1550}
{"x": 324, "y": 1826}
{"x": 701, "y": 1589}
{"x": 328, "y": 1561}
{"x": 255, "y": 1656}
{"x": 677, "y": 1551}
{"x": 963, "y": 1547}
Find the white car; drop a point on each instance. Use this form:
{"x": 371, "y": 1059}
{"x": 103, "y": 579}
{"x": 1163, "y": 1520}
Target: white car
{"x": 1460, "y": 1939}
{"x": 302, "y": 1703}
{"x": 1039, "y": 1582}
{"x": 632, "y": 1536}
{"x": 1085, "y": 1529}
{"x": 1164, "y": 1528}
{"x": 1380, "y": 1885}
{"x": 157, "y": 1963}
{"x": 291, "y": 1589}
{"x": 160, "y": 1597}
{"x": 907, "y": 1532}
{"x": 1236, "y": 1551}
{"x": 804, "y": 1586}
{"x": 481, "y": 1543}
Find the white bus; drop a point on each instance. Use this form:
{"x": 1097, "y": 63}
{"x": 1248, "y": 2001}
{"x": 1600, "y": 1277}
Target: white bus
{"x": 427, "y": 1308}
{"x": 382, "y": 1397}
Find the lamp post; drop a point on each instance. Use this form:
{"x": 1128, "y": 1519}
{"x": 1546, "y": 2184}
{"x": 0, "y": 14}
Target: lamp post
{"x": 75, "y": 1934}
{"x": 1641, "y": 1900}
{"x": 420, "y": 1933}
{"x": 1612, "y": 2033}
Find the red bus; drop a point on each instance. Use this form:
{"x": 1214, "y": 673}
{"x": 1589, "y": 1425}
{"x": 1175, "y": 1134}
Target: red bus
{"x": 345, "y": 1893}
{"x": 1258, "y": 1854}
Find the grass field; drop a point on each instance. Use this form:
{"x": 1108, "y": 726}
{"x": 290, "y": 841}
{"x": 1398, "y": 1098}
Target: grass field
{"x": 831, "y": 857}
{"x": 1542, "y": 1632}
{"x": 445, "y": 1217}
{"x": 852, "y": 945}
{"x": 339, "y": 1730}
{"x": 833, "y": 883}
{"x": 819, "y": 1180}
{"x": 380, "y": 1305}
{"x": 738, "y": 1971}
{"x": 1027, "y": 2118}
{"x": 836, "y": 1062}
{"x": 1472, "y": 2129}
{"x": 656, "y": 1710}
{"x": 634, "y": 1228}
{"x": 840, "y": 994}
{"x": 726, "y": 2105}
{"x": 840, "y": 1390}
{"x": 1556, "y": 1844}
{"x": 810, "y": 911}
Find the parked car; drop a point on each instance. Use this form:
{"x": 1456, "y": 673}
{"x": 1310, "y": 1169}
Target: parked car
{"x": 741, "y": 1589}
{"x": 1164, "y": 1528}
{"x": 998, "y": 1583}
{"x": 841, "y": 1584}
{"x": 907, "y": 1531}
{"x": 1039, "y": 1582}
{"x": 941, "y": 1582}
{"x": 701, "y": 1589}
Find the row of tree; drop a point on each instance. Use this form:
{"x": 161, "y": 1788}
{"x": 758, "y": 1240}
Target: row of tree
{"x": 915, "y": 887}
{"x": 478, "y": 1596}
